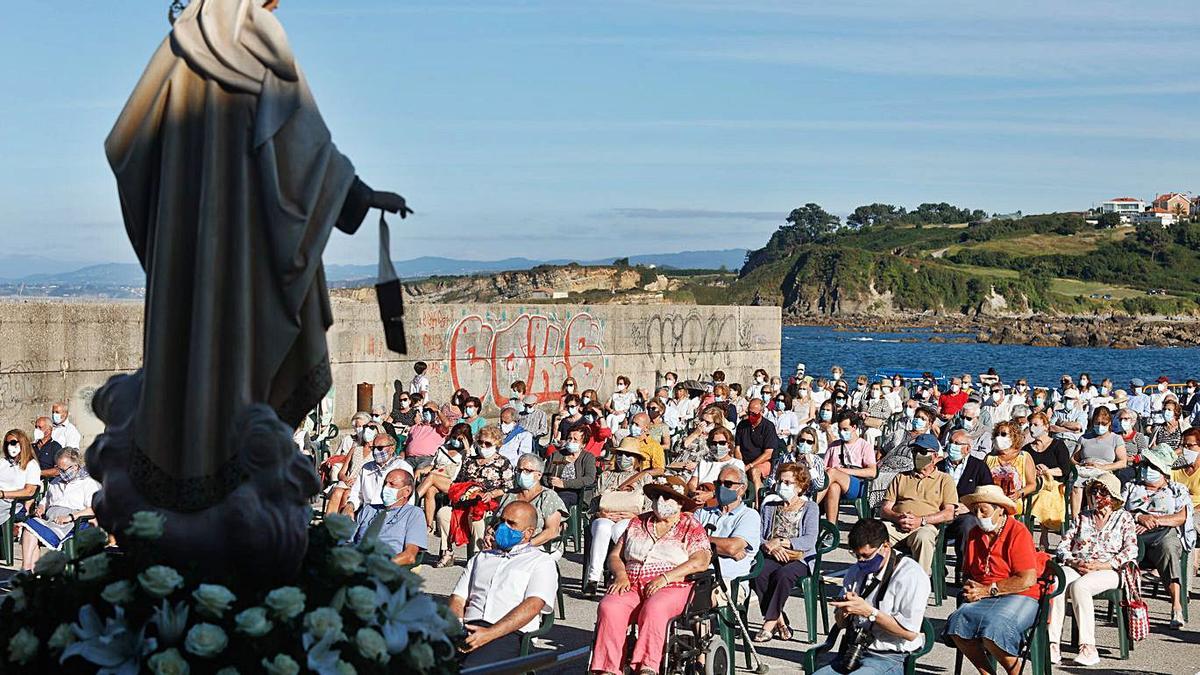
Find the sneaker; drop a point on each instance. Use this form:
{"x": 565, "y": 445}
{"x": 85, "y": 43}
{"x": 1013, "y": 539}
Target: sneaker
{"x": 1055, "y": 653}
{"x": 1087, "y": 656}
{"x": 1176, "y": 620}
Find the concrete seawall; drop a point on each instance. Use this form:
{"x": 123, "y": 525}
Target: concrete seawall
{"x": 63, "y": 351}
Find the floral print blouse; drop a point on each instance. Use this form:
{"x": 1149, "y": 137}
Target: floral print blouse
{"x": 647, "y": 557}
{"x": 1114, "y": 543}
{"x": 495, "y": 475}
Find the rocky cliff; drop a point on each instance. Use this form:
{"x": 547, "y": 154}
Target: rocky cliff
{"x": 539, "y": 283}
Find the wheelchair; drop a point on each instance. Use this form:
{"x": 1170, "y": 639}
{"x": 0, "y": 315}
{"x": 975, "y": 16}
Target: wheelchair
{"x": 695, "y": 643}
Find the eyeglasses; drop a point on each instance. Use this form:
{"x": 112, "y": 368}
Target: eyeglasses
{"x": 487, "y": 446}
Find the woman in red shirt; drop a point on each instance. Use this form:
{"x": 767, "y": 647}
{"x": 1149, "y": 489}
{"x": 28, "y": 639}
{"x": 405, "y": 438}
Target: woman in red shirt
{"x": 999, "y": 598}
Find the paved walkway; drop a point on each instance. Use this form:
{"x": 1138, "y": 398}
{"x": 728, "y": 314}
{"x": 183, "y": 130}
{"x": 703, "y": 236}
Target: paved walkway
{"x": 1164, "y": 652}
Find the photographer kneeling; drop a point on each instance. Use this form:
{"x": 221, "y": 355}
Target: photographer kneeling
{"x": 883, "y": 606}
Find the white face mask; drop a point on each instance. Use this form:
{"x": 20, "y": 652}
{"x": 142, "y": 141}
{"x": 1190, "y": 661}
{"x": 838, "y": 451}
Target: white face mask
{"x": 1037, "y": 430}
{"x": 507, "y": 427}
{"x": 404, "y": 405}
{"x": 988, "y": 524}
{"x": 846, "y": 435}
{"x": 670, "y": 384}
{"x": 13, "y": 449}
{"x": 58, "y": 418}
{"x": 38, "y": 435}
{"x": 1002, "y": 443}
{"x": 786, "y": 491}
{"x": 368, "y": 434}
{"x": 572, "y": 411}
{"x": 1189, "y": 456}
{"x": 665, "y": 507}
{"x": 620, "y": 387}
{"x": 483, "y": 452}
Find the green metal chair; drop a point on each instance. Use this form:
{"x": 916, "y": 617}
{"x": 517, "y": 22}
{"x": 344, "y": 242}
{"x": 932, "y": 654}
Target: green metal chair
{"x": 543, "y": 629}
{"x": 1068, "y": 486}
{"x": 1115, "y": 598}
{"x": 741, "y": 602}
{"x": 8, "y": 529}
{"x": 938, "y": 568}
{"x": 812, "y": 587}
{"x": 1035, "y": 645}
{"x": 862, "y": 503}
{"x": 1027, "y": 505}
{"x": 576, "y": 517}
{"x": 808, "y": 660}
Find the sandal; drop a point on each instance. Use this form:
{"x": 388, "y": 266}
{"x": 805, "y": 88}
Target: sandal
{"x": 447, "y": 560}
{"x": 763, "y": 637}
{"x": 783, "y": 632}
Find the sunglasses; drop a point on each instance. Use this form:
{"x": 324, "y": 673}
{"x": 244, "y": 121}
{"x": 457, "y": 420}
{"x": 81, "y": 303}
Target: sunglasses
{"x": 487, "y": 446}
{"x": 729, "y": 483}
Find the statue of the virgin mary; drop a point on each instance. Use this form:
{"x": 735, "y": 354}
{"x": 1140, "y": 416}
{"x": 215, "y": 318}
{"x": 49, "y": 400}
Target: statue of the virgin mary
{"x": 230, "y": 187}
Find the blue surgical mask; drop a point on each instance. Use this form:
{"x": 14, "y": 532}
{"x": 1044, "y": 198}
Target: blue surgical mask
{"x": 427, "y": 415}
{"x": 726, "y": 496}
{"x": 624, "y": 462}
{"x": 524, "y": 480}
{"x": 469, "y": 412}
{"x": 1168, "y": 415}
{"x": 871, "y": 565}
{"x": 1153, "y": 475}
{"x": 918, "y": 424}
{"x": 955, "y": 452}
{"x": 1101, "y": 429}
{"x": 826, "y": 415}
{"x": 846, "y": 435}
{"x": 571, "y": 447}
{"x": 56, "y": 417}
{"x": 506, "y": 537}
{"x": 804, "y": 447}
{"x": 389, "y": 495}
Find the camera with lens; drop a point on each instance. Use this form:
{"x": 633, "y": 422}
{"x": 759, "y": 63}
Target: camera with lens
{"x": 857, "y": 639}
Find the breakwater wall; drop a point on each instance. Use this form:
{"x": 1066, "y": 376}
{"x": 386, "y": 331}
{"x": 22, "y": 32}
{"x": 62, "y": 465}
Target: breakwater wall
{"x": 63, "y": 351}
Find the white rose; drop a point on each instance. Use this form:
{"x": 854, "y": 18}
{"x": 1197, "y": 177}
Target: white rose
{"x": 371, "y": 645}
{"x": 253, "y": 622}
{"x": 51, "y": 564}
{"x": 344, "y": 668}
{"x": 213, "y": 599}
{"x": 170, "y": 662}
{"x": 340, "y": 527}
{"x": 323, "y": 621}
{"x": 62, "y": 637}
{"x": 90, "y": 539}
{"x": 160, "y": 580}
{"x": 281, "y": 665}
{"x": 345, "y": 560}
{"x": 118, "y": 592}
{"x": 146, "y": 525}
{"x": 286, "y": 602}
{"x": 22, "y": 647}
{"x": 94, "y": 568}
{"x": 381, "y": 567}
{"x": 361, "y": 601}
{"x": 206, "y": 640}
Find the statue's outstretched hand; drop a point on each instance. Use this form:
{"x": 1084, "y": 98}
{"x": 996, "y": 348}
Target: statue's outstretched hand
{"x": 391, "y": 202}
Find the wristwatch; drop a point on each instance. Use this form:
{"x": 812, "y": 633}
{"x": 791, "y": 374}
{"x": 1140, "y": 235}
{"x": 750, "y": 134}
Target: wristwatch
{"x": 923, "y": 521}
{"x": 873, "y": 615}
{"x": 993, "y": 591}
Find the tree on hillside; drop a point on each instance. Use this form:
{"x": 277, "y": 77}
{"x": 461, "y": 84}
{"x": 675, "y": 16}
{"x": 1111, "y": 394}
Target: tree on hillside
{"x": 1109, "y": 220}
{"x": 1155, "y": 237}
{"x": 621, "y": 262}
{"x": 805, "y": 225}
{"x": 875, "y": 214}
{"x": 942, "y": 213}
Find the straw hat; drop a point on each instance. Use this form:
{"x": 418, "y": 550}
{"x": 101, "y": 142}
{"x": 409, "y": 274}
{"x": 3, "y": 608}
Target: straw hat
{"x": 630, "y": 445}
{"x": 1120, "y": 397}
{"x": 1110, "y": 483}
{"x": 652, "y": 490}
{"x": 990, "y": 494}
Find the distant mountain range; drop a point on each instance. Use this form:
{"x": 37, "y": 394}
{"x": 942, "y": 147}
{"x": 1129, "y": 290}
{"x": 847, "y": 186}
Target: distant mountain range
{"x": 129, "y": 274}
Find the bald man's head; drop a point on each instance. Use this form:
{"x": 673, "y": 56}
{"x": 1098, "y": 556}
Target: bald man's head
{"x": 961, "y": 437}
{"x": 520, "y": 516}
{"x": 642, "y": 420}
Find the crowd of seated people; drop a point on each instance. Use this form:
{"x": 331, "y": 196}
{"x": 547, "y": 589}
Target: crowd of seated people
{"x": 684, "y": 476}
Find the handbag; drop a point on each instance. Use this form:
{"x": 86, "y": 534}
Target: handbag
{"x": 1137, "y": 613}
{"x": 390, "y": 293}
{"x": 622, "y": 501}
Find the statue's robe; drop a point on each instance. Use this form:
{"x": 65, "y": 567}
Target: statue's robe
{"x": 230, "y": 186}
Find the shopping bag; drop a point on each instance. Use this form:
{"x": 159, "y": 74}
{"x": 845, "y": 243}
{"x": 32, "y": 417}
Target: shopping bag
{"x": 1137, "y": 613}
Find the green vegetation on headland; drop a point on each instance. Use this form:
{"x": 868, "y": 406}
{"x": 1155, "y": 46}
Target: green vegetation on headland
{"x": 886, "y": 260}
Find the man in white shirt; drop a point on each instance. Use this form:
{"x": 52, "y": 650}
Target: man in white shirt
{"x": 64, "y": 432}
{"x": 895, "y": 615}
{"x": 517, "y": 440}
{"x": 368, "y": 489}
{"x": 505, "y": 590}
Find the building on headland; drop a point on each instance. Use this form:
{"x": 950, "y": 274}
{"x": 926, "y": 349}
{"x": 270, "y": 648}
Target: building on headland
{"x": 1153, "y": 215}
{"x": 1176, "y": 203}
{"x": 1125, "y": 207}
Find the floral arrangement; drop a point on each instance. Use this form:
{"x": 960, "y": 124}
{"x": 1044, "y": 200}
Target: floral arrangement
{"x": 351, "y": 610}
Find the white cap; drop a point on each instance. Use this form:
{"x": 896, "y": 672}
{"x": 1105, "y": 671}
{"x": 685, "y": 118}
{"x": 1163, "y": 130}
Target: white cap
{"x": 799, "y": 367}
{"x": 1071, "y": 394}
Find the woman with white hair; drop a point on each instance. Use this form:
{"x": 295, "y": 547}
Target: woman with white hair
{"x": 356, "y": 448}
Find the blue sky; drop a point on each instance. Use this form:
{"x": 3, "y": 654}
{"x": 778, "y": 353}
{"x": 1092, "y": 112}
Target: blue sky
{"x": 588, "y": 129}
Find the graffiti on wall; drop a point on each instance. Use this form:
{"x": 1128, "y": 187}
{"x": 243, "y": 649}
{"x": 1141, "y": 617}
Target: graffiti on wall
{"x": 687, "y": 335}
{"x": 543, "y": 351}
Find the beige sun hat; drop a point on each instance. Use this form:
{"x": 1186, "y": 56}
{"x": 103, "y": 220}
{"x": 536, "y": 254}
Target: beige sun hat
{"x": 990, "y": 494}
{"x": 1110, "y": 483}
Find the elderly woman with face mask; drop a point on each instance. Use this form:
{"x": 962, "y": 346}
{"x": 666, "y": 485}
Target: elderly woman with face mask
{"x": 1162, "y": 511}
{"x": 1101, "y": 540}
{"x": 483, "y": 479}
{"x": 1012, "y": 468}
{"x": 20, "y": 473}
{"x": 572, "y": 470}
{"x": 1000, "y": 592}
{"x": 528, "y": 487}
{"x": 650, "y": 566}
{"x": 612, "y": 508}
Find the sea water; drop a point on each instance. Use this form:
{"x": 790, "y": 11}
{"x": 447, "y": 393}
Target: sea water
{"x": 820, "y": 348}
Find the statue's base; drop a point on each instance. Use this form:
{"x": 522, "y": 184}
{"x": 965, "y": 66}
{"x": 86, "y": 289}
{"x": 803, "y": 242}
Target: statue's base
{"x": 261, "y": 526}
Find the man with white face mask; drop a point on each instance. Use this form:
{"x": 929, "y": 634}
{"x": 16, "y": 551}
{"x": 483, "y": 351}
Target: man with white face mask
{"x": 65, "y": 432}
{"x": 45, "y": 447}
{"x": 368, "y": 489}
{"x": 1163, "y": 510}
{"x": 396, "y": 522}
{"x": 1070, "y": 422}
{"x": 968, "y": 472}
{"x": 517, "y": 440}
